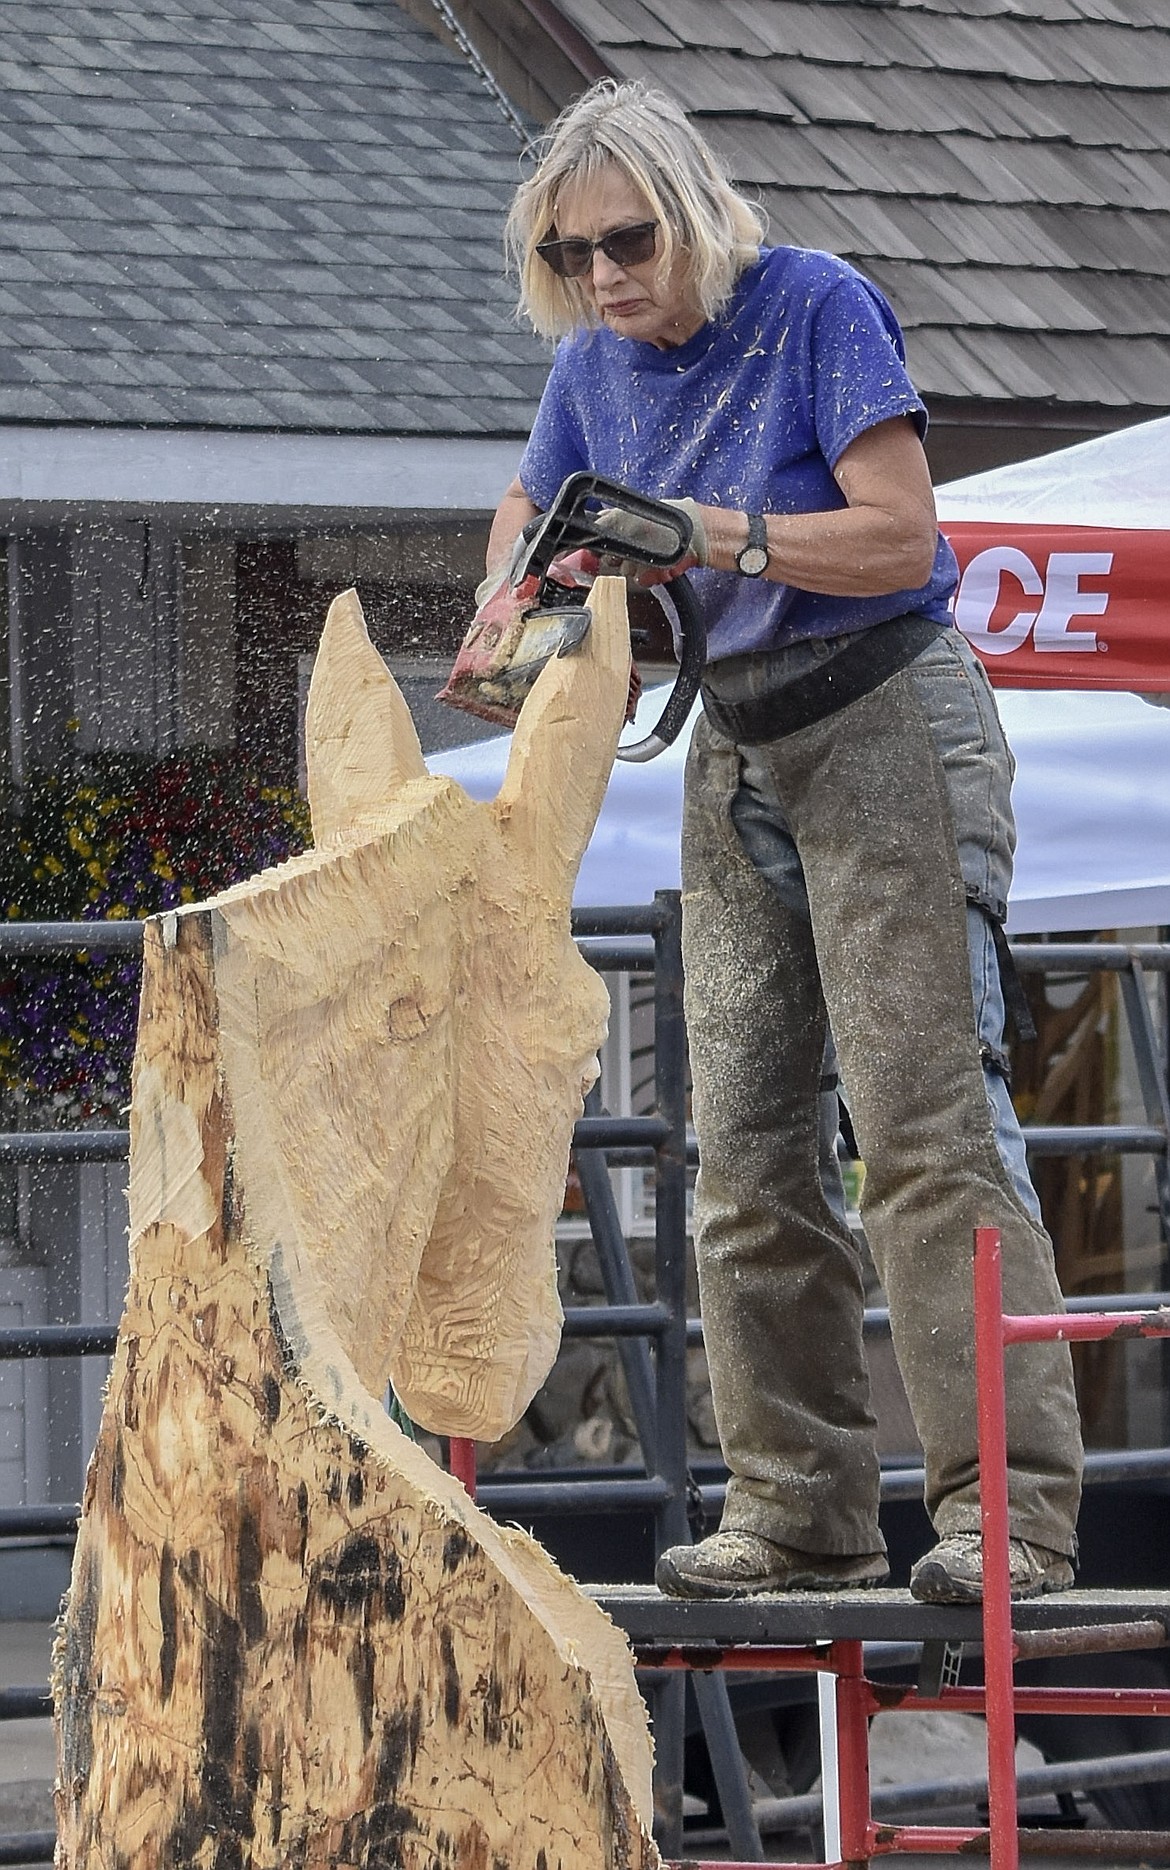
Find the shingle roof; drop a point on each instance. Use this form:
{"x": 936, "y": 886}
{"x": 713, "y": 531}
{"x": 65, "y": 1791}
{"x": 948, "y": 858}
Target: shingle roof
{"x": 1001, "y": 168}
{"x": 254, "y": 213}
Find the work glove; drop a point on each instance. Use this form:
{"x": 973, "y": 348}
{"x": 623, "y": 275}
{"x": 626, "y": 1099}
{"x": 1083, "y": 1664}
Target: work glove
{"x": 487, "y": 587}
{"x": 581, "y": 567}
{"x": 649, "y": 536}
{"x": 503, "y": 574}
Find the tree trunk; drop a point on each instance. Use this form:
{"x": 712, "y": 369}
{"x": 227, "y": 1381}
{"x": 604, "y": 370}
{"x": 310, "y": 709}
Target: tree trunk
{"x": 291, "y": 1639}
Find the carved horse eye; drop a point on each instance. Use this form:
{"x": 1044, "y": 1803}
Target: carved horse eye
{"x": 409, "y": 1016}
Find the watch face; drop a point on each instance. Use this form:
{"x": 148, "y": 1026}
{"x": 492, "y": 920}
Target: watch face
{"x": 753, "y": 560}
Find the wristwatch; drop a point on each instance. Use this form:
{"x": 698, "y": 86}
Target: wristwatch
{"x": 752, "y": 559}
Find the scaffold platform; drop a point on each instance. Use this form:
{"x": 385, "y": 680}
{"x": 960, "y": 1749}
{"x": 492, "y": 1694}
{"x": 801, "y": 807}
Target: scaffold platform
{"x": 651, "y": 1619}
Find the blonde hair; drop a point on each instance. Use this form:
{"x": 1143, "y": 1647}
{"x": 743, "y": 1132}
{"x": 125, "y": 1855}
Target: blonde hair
{"x": 646, "y": 136}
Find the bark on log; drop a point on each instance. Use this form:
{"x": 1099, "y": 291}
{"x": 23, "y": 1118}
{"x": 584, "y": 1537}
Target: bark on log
{"x": 291, "y": 1640}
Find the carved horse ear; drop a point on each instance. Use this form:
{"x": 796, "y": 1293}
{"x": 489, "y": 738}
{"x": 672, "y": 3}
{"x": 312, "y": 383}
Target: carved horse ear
{"x": 360, "y": 742}
{"x": 563, "y": 748}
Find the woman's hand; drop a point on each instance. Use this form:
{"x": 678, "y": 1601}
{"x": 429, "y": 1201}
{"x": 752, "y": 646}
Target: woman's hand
{"x": 648, "y": 535}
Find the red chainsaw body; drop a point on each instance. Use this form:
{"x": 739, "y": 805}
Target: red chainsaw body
{"x": 480, "y": 681}
{"x": 525, "y": 621}
{"x": 507, "y": 645}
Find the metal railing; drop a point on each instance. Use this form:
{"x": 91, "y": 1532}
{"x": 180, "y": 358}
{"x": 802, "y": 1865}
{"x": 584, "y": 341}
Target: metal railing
{"x": 645, "y": 938}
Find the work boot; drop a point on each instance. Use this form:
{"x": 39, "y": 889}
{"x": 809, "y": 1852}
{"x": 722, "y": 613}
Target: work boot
{"x": 953, "y": 1572}
{"x": 739, "y": 1564}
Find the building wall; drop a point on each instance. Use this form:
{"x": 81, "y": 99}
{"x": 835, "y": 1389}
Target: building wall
{"x": 124, "y": 610}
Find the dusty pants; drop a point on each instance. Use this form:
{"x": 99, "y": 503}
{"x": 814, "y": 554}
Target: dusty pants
{"x": 825, "y": 888}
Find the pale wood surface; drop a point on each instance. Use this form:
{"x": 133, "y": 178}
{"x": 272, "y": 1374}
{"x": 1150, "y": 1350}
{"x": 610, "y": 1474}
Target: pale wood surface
{"x": 291, "y": 1639}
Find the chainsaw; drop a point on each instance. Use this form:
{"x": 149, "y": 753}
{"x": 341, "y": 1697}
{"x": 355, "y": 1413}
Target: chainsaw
{"x": 531, "y": 616}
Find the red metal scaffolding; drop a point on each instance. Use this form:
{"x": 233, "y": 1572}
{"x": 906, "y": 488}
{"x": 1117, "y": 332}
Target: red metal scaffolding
{"x": 852, "y": 1836}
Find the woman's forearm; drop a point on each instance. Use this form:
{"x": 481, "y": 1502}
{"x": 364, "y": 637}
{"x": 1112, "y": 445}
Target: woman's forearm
{"x": 853, "y": 552}
{"x": 512, "y": 515}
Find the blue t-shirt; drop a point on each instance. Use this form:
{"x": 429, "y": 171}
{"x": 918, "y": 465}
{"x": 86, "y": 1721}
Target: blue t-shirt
{"x": 752, "y": 413}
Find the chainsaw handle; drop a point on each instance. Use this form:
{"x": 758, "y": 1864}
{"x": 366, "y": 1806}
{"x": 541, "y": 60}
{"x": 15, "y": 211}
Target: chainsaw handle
{"x": 570, "y": 524}
{"x": 692, "y": 662}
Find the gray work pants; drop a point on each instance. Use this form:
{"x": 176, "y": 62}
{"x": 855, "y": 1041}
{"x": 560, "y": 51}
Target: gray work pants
{"x": 851, "y": 914}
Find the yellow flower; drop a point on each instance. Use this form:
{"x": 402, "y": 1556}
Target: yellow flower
{"x": 118, "y": 912}
{"x": 54, "y": 866}
{"x": 78, "y": 843}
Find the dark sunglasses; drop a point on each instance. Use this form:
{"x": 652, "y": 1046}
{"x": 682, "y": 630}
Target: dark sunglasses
{"x": 625, "y": 246}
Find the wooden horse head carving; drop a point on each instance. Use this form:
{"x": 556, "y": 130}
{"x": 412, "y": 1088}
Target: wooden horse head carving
{"x": 291, "y": 1640}
{"x": 416, "y": 1056}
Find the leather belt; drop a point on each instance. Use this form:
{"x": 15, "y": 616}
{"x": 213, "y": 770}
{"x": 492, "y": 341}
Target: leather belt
{"x": 875, "y": 655}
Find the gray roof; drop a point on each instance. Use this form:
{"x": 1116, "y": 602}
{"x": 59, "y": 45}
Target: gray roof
{"x": 278, "y": 214}
{"x": 1001, "y": 168}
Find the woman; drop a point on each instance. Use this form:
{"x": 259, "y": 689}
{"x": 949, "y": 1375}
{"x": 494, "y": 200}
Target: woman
{"x": 847, "y": 846}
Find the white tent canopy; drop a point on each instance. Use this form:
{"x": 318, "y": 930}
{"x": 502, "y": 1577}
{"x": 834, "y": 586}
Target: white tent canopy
{"x": 1092, "y": 790}
{"x": 1121, "y": 479}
